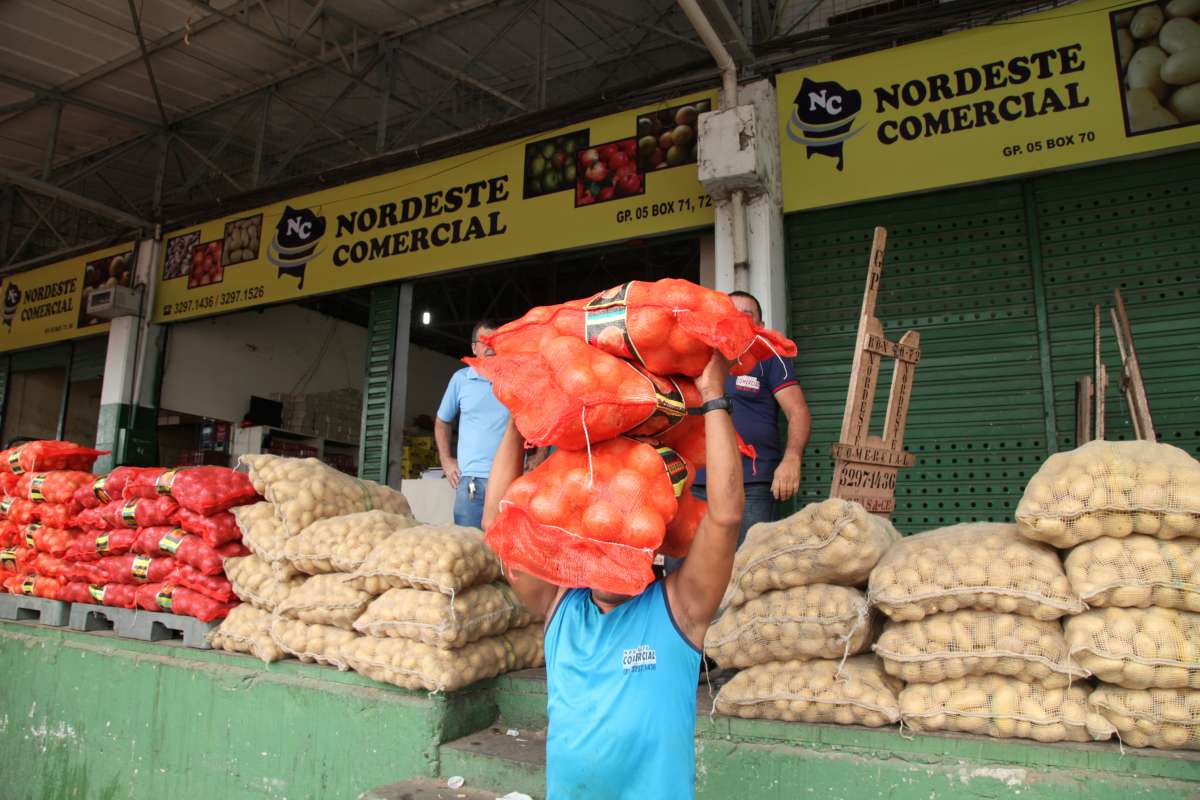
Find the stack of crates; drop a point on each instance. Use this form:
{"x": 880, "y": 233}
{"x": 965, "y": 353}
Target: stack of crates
{"x": 419, "y": 454}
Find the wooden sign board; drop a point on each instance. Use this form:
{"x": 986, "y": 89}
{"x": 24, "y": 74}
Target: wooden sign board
{"x": 866, "y": 465}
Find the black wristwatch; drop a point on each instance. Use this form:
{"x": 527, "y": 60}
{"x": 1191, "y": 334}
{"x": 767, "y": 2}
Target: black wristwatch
{"x": 720, "y": 404}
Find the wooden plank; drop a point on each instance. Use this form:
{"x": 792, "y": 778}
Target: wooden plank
{"x": 895, "y": 350}
{"x": 1083, "y": 410}
{"x": 864, "y": 454}
{"x": 902, "y": 381}
{"x": 874, "y": 272}
{"x": 864, "y": 377}
{"x": 1139, "y": 402}
{"x": 1100, "y": 382}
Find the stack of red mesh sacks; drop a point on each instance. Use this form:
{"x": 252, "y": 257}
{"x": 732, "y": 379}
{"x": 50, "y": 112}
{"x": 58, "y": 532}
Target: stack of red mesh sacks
{"x": 38, "y": 481}
{"x": 156, "y": 539}
{"x": 608, "y": 381}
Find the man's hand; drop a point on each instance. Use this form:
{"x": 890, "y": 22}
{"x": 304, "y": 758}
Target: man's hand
{"x": 711, "y": 383}
{"x": 787, "y": 479}
{"x": 453, "y": 474}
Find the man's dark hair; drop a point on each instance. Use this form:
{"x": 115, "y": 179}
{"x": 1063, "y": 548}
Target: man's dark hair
{"x": 757, "y": 304}
{"x": 483, "y": 323}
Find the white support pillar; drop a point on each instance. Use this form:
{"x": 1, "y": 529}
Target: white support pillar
{"x": 764, "y": 218}
{"x": 398, "y": 410}
{"x": 129, "y": 392}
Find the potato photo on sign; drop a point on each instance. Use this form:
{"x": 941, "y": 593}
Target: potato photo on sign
{"x": 1157, "y": 52}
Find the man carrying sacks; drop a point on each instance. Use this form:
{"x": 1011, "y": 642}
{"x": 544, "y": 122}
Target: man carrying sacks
{"x": 621, "y": 669}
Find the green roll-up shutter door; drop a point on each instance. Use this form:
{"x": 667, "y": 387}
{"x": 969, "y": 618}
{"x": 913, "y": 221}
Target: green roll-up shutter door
{"x": 87, "y": 360}
{"x": 957, "y": 270}
{"x": 961, "y": 269}
{"x": 1133, "y": 225}
{"x": 377, "y": 385}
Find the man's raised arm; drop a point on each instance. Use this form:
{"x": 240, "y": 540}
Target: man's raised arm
{"x": 507, "y": 466}
{"x": 696, "y": 588}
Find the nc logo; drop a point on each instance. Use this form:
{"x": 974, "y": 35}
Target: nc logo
{"x": 823, "y": 117}
{"x": 295, "y": 242}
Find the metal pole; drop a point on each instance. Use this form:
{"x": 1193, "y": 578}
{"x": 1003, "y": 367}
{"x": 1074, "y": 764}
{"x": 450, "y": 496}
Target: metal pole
{"x": 397, "y": 411}
{"x": 164, "y": 144}
{"x": 87, "y": 204}
{"x": 256, "y": 170}
{"x": 66, "y": 394}
{"x": 387, "y": 75}
{"x": 543, "y": 57}
{"x": 52, "y": 142}
{"x": 6, "y": 218}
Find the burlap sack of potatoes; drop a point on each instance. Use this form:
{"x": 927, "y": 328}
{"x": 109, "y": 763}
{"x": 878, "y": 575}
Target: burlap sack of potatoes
{"x": 442, "y": 558}
{"x": 415, "y": 665}
{"x": 341, "y": 544}
{"x": 981, "y": 565}
{"x": 833, "y": 541}
{"x": 312, "y": 644}
{"x": 1112, "y": 489}
{"x": 263, "y": 535}
{"x": 305, "y": 490}
{"x": 818, "y": 621}
{"x": 857, "y": 692}
{"x": 1000, "y": 707}
{"x": 955, "y": 644}
{"x": 1136, "y": 572}
{"x": 255, "y": 582}
{"x": 247, "y": 629}
{"x": 325, "y": 600}
{"x": 1168, "y": 719}
{"x": 1138, "y": 648}
{"x": 437, "y": 619}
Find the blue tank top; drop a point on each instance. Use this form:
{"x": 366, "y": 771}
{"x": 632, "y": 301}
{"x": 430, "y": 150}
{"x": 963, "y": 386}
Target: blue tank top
{"x": 622, "y": 700}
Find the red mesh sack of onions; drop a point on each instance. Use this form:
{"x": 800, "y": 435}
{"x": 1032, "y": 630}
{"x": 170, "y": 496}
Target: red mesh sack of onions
{"x": 217, "y": 587}
{"x": 52, "y": 487}
{"x": 48, "y": 455}
{"x": 45, "y": 539}
{"x": 671, "y": 326}
{"x": 187, "y": 548}
{"x": 117, "y": 595}
{"x": 34, "y": 585}
{"x": 15, "y": 560}
{"x": 173, "y": 599}
{"x": 597, "y": 525}
{"x": 215, "y": 530}
{"x": 132, "y": 568}
{"x": 108, "y": 488}
{"x": 139, "y": 512}
{"x": 93, "y": 545}
{"x": 18, "y": 510}
{"x": 10, "y": 533}
{"x": 204, "y": 490}
{"x": 569, "y": 394}
{"x": 8, "y": 483}
{"x": 48, "y": 565}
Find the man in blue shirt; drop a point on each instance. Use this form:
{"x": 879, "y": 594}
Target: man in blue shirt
{"x": 482, "y": 423}
{"x": 758, "y": 398}
{"x": 620, "y": 670}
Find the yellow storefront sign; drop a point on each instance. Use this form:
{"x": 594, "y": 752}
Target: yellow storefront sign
{"x": 47, "y": 304}
{"x": 1086, "y": 82}
{"x": 619, "y": 177}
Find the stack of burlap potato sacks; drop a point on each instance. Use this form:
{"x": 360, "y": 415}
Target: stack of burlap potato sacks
{"x": 341, "y": 574}
{"x": 975, "y": 633}
{"x": 794, "y": 624}
{"x": 1127, "y": 515}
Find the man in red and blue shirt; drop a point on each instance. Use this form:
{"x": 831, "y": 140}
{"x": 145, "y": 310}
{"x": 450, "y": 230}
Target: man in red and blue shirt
{"x": 757, "y": 399}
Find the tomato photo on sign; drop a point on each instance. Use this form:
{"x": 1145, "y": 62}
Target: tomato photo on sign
{"x": 608, "y": 172}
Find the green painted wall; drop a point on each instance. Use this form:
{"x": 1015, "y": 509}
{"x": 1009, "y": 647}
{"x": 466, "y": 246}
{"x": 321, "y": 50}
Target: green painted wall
{"x": 93, "y": 717}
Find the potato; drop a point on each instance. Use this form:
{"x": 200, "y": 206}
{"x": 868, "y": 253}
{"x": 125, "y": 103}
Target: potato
{"x": 1168, "y": 719}
{"x": 327, "y": 599}
{"x": 247, "y": 629}
{"x": 1179, "y": 34}
{"x": 1185, "y": 103}
{"x": 320, "y": 644}
{"x": 415, "y": 665}
{"x": 264, "y": 536}
{"x": 1146, "y": 22}
{"x": 305, "y": 490}
{"x": 969, "y": 642}
{"x": 340, "y": 544}
{"x": 1139, "y": 487}
{"x": 255, "y": 582}
{"x": 442, "y": 621}
{"x": 1183, "y": 68}
{"x": 1138, "y": 648}
{"x": 1001, "y": 707}
{"x": 857, "y": 692}
{"x": 981, "y": 565}
{"x": 1136, "y": 572}
{"x": 833, "y": 541}
{"x": 818, "y": 621}
{"x": 443, "y": 558}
